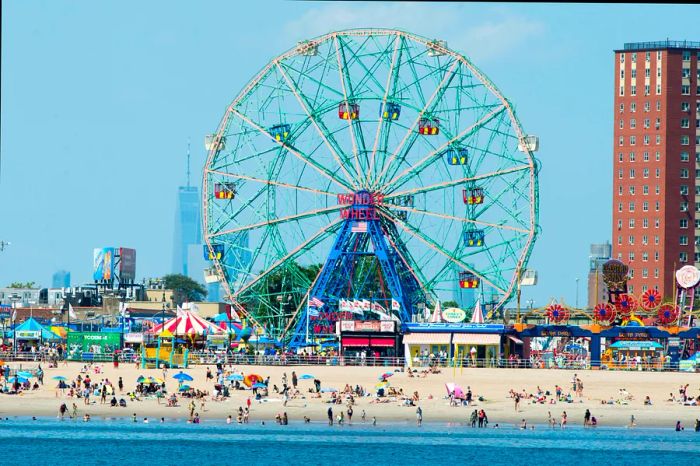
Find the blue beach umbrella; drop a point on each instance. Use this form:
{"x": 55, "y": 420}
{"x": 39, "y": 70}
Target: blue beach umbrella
{"x": 181, "y": 376}
{"x": 25, "y": 374}
{"x": 59, "y": 377}
{"x": 184, "y": 388}
{"x": 17, "y": 379}
{"x": 234, "y": 377}
{"x": 306, "y": 377}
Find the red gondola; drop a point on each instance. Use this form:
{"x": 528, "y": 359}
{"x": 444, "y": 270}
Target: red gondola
{"x": 429, "y": 126}
{"x": 468, "y": 280}
{"x": 348, "y": 111}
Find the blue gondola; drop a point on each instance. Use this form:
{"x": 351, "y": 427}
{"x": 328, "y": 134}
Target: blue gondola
{"x": 474, "y": 238}
{"x": 456, "y": 155}
{"x": 216, "y": 252}
{"x": 280, "y": 132}
{"x": 390, "y": 111}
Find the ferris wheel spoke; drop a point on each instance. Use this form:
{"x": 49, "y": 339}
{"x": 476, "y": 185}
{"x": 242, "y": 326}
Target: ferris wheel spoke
{"x": 301, "y": 156}
{"x": 280, "y": 220}
{"x": 410, "y": 265}
{"x": 412, "y": 133}
{"x": 436, "y": 247}
{"x": 322, "y": 132}
{"x": 382, "y": 125}
{"x": 433, "y": 156}
{"x": 451, "y": 218}
{"x": 316, "y": 238}
{"x": 456, "y": 182}
{"x": 270, "y": 182}
{"x": 342, "y": 72}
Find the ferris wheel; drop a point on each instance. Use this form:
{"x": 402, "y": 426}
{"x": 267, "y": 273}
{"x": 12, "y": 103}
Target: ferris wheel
{"x": 371, "y": 166}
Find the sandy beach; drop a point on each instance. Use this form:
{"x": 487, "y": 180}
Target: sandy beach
{"x": 491, "y": 384}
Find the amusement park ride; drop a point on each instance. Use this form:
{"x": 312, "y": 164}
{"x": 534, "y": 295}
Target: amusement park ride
{"x": 367, "y": 165}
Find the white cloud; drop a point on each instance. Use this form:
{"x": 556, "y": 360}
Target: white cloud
{"x": 480, "y": 34}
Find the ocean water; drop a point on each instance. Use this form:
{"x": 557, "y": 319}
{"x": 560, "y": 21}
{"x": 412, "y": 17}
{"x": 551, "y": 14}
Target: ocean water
{"x": 121, "y": 442}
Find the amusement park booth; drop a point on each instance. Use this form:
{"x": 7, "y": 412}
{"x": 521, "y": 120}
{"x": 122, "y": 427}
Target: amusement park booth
{"x": 378, "y": 338}
{"x": 478, "y": 343}
{"x": 623, "y": 353}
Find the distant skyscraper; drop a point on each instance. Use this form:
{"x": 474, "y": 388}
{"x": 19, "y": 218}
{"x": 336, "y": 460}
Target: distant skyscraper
{"x": 188, "y": 227}
{"x": 656, "y": 182}
{"x": 600, "y": 254}
{"x": 60, "y": 279}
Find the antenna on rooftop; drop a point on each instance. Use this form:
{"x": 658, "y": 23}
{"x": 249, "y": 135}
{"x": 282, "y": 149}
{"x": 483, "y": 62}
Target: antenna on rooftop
{"x": 188, "y": 162}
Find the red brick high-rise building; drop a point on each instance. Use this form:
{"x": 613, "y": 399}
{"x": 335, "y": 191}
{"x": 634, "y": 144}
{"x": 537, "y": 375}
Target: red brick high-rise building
{"x": 656, "y": 175}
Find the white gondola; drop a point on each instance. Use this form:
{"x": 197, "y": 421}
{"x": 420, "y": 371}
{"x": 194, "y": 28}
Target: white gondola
{"x": 436, "y": 48}
{"x": 529, "y": 144}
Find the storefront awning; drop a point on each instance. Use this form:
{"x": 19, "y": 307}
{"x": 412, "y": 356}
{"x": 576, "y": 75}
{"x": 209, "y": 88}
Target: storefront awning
{"x": 515, "y": 340}
{"x": 355, "y": 341}
{"x": 427, "y": 339}
{"x": 382, "y": 342}
{"x": 476, "y": 339}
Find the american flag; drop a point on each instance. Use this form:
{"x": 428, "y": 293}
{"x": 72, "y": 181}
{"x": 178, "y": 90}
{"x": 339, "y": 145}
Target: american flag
{"x": 359, "y": 227}
{"x": 315, "y": 302}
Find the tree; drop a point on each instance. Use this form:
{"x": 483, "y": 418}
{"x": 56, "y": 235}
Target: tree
{"x": 446, "y": 304}
{"x": 19, "y": 285}
{"x": 184, "y": 288}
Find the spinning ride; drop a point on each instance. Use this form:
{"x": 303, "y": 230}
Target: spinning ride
{"x": 367, "y": 171}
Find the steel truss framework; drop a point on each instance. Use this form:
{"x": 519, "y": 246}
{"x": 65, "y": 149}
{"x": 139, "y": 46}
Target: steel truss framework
{"x": 289, "y": 150}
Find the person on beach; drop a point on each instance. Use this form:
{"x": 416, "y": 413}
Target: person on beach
{"x": 330, "y": 416}
{"x": 133, "y": 418}
{"x": 473, "y": 418}
{"x": 523, "y": 424}
{"x": 295, "y": 380}
{"x": 196, "y": 418}
{"x": 229, "y": 419}
{"x": 632, "y": 421}
{"x": 247, "y": 402}
{"x": 517, "y": 402}
{"x": 697, "y": 425}
{"x": 285, "y": 419}
{"x": 120, "y": 384}
{"x": 419, "y": 416}
{"x": 192, "y": 408}
{"x": 587, "y": 418}
{"x": 246, "y": 415}
{"x": 550, "y": 419}
{"x": 363, "y": 416}
{"x": 350, "y": 414}
{"x": 62, "y": 410}
{"x": 563, "y": 419}
{"x": 679, "y": 426}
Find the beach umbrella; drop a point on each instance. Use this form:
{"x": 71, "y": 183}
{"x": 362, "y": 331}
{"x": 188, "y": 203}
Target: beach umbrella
{"x": 25, "y": 374}
{"x": 181, "y": 376}
{"x": 59, "y": 377}
{"x": 142, "y": 379}
{"x": 382, "y": 385}
{"x": 385, "y": 375}
{"x": 259, "y": 385}
{"x": 157, "y": 380}
{"x": 250, "y": 379}
{"x": 184, "y": 388}
{"x": 306, "y": 377}
{"x": 234, "y": 377}
{"x": 17, "y": 379}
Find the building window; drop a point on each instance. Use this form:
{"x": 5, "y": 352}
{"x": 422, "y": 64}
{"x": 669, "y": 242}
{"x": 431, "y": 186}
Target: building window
{"x": 697, "y": 190}
{"x": 622, "y": 106}
{"x": 684, "y": 190}
{"x": 622, "y": 140}
{"x": 685, "y": 73}
{"x": 656, "y": 273}
{"x": 658, "y": 55}
{"x": 631, "y": 239}
{"x": 645, "y": 240}
{"x": 657, "y": 125}
{"x": 656, "y": 223}
{"x": 657, "y": 189}
{"x": 631, "y": 206}
{"x": 646, "y": 156}
{"x": 685, "y": 157}
{"x": 619, "y": 190}
{"x": 685, "y": 122}
{"x": 658, "y": 86}
{"x": 633, "y": 90}
{"x": 685, "y": 140}
{"x": 633, "y": 107}
{"x": 633, "y": 140}
{"x": 622, "y": 91}
{"x": 622, "y": 58}
{"x": 647, "y": 106}
{"x": 645, "y": 274}
{"x": 697, "y": 173}
{"x": 647, "y": 123}
{"x": 685, "y": 89}
{"x": 683, "y": 257}
{"x": 658, "y": 139}
{"x": 658, "y": 105}
{"x": 697, "y": 257}
{"x": 684, "y": 223}
{"x": 656, "y": 242}
{"x": 683, "y": 240}
{"x": 685, "y": 106}
{"x": 645, "y": 223}
{"x": 620, "y": 173}
{"x": 645, "y": 189}
{"x": 631, "y": 223}
{"x": 619, "y": 207}
{"x": 684, "y": 206}
{"x": 645, "y": 173}
{"x": 631, "y": 173}
{"x": 632, "y": 158}
{"x": 619, "y": 224}
{"x": 622, "y": 123}
{"x": 684, "y": 173}
{"x": 686, "y": 55}
{"x": 619, "y": 240}
{"x": 620, "y": 157}
{"x": 647, "y": 57}
{"x": 645, "y": 206}
{"x": 646, "y": 89}
{"x": 658, "y": 173}
{"x": 632, "y": 190}
{"x": 697, "y": 207}
{"x": 658, "y": 206}
{"x": 646, "y": 139}
{"x": 634, "y": 57}
{"x": 658, "y": 156}
{"x": 631, "y": 257}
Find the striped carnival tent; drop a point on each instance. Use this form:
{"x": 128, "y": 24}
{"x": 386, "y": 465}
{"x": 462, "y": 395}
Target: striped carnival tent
{"x": 186, "y": 323}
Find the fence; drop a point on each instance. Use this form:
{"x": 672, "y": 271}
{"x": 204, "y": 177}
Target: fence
{"x": 209, "y": 358}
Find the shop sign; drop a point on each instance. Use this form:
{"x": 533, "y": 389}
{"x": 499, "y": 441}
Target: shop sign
{"x": 453, "y": 315}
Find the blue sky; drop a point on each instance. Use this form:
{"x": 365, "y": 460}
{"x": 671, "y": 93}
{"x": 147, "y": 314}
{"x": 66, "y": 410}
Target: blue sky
{"x": 99, "y": 99}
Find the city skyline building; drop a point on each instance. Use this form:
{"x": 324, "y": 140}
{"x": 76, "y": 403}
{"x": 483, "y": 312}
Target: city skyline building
{"x": 656, "y": 163}
{"x": 600, "y": 254}
{"x": 188, "y": 224}
{"x": 60, "y": 279}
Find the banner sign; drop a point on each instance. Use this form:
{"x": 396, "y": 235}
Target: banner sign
{"x": 367, "y": 325}
{"x": 28, "y": 334}
{"x": 133, "y": 337}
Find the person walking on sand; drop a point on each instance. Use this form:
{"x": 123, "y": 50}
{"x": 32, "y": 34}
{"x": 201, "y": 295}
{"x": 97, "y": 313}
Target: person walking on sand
{"x": 587, "y": 418}
{"x": 633, "y": 421}
{"x": 330, "y": 416}
{"x": 517, "y": 403}
{"x": 563, "y": 420}
{"x": 473, "y": 418}
{"x": 295, "y": 380}
{"x": 350, "y": 414}
{"x": 419, "y": 416}
{"x": 364, "y": 416}
{"x": 120, "y": 384}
